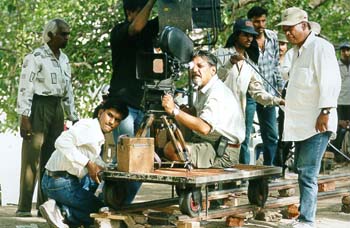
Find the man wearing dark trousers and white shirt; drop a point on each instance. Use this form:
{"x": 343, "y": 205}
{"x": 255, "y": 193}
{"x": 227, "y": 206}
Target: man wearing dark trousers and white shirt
{"x": 44, "y": 95}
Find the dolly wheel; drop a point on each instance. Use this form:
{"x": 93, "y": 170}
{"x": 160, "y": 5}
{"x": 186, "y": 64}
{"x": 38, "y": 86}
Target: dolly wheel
{"x": 258, "y": 191}
{"x": 190, "y": 202}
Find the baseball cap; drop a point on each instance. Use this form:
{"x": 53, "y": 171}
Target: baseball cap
{"x": 293, "y": 16}
{"x": 344, "y": 45}
{"x": 244, "y": 25}
{"x": 281, "y": 37}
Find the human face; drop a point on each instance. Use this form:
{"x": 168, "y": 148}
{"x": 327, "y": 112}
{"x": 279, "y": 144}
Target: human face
{"x": 244, "y": 40}
{"x": 202, "y": 71}
{"x": 259, "y": 23}
{"x": 109, "y": 119}
{"x": 60, "y": 39}
{"x": 296, "y": 34}
{"x": 345, "y": 54}
{"x": 283, "y": 46}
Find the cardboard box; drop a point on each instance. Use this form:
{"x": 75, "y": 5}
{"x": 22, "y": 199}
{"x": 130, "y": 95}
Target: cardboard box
{"x": 135, "y": 155}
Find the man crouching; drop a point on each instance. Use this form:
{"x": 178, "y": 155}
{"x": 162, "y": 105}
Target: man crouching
{"x": 216, "y": 118}
{"x": 78, "y": 154}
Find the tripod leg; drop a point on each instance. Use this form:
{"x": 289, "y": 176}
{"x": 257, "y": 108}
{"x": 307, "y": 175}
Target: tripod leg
{"x": 173, "y": 139}
{"x": 142, "y": 131}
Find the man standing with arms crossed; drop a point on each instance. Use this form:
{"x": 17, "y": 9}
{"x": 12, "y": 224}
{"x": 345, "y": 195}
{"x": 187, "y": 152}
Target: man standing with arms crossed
{"x": 268, "y": 62}
{"x": 311, "y": 101}
{"x": 45, "y": 84}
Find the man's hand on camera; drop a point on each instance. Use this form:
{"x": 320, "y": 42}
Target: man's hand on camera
{"x": 168, "y": 103}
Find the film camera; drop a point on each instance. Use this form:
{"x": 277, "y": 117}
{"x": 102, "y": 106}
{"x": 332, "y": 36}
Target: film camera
{"x": 159, "y": 71}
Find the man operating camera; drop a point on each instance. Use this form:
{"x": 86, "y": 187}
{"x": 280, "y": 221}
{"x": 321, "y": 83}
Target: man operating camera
{"x": 216, "y": 119}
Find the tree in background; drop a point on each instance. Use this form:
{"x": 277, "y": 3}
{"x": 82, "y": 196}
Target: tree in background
{"x": 88, "y": 48}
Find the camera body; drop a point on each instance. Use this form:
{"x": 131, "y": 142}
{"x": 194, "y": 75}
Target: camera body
{"x": 159, "y": 71}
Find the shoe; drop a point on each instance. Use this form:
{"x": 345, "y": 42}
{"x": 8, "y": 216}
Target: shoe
{"x": 23, "y": 214}
{"x": 51, "y": 212}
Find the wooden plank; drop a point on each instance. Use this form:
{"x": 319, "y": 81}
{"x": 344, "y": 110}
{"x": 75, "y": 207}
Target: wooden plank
{"x": 196, "y": 177}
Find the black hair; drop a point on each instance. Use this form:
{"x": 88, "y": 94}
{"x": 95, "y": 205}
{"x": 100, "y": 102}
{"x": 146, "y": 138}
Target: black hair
{"x": 133, "y": 5}
{"x": 256, "y": 11}
{"x": 211, "y": 59}
{"x": 231, "y": 40}
{"x": 117, "y": 104}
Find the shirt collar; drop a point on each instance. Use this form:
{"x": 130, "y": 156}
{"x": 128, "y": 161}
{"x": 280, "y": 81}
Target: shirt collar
{"x": 209, "y": 84}
{"x": 268, "y": 34}
{"x": 245, "y": 52}
{"x": 48, "y": 50}
{"x": 98, "y": 130}
{"x": 311, "y": 37}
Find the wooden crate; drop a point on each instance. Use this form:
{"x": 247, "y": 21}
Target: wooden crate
{"x": 135, "y": 155}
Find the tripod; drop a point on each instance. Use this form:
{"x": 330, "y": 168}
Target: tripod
{"x": 173, "y": 131}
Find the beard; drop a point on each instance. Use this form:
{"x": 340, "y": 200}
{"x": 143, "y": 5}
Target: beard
{"x": 197, "y": 81}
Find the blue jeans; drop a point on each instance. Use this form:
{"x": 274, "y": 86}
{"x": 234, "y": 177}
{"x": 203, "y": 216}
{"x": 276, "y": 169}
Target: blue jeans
{"x": 244, "y": 155}
{"x": 269, "y": 133}
{"x": 307, "y": 162}
{"x": 70, "y": 195}
{"x": 129, "y": 126}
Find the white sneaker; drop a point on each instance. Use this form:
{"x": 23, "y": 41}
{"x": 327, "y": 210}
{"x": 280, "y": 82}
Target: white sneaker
{"x": 50, "y": 211}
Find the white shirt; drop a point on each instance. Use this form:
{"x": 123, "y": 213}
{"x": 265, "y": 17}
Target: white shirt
{"x": 216, "y": 105}
{"x": 240, "y": 78}
{"x": 43, "y": 74}
{"x": 314, "y": 83}
{"x": 344, "y": 97}
{"x": 287, "y": 62}
{"x": 75, "y": 147}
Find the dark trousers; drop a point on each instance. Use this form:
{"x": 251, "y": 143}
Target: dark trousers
{"x": 47, "y": 119}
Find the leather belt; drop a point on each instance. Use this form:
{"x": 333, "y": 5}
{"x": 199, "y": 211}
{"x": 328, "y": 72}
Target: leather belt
{"x": 57, "y": 174}
{"x": 233, "y": 145}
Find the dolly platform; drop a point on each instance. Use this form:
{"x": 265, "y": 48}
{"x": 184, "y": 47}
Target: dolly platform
{"x": 190, "y": 185}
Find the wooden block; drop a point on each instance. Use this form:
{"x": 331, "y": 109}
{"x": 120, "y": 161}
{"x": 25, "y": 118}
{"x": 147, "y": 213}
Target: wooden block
{"x": 188, "y": 225}
{"x": 328, "y": 154}
{"x": 291, "y": 212}
{"x": 234, "y": 221}
{"x": 231, "y": 201}
{"x": 326, "y": 187}
{"x": 135, "y": 155}
{"x": 346, "y": 200}
{"x": 286, "y": 192}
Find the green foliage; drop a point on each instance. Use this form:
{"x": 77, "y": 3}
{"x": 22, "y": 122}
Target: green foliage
{"x": 88, "y": 49}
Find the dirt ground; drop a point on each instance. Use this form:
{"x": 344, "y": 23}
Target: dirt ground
{"x": 329, "y": 214}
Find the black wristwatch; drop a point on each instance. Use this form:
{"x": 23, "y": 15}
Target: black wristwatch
{"x": 325, "y": 111}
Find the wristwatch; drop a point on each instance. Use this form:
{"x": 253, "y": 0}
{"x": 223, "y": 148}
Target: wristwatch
{"x": 325, "y": 111}
{"x": 176, "y": 111}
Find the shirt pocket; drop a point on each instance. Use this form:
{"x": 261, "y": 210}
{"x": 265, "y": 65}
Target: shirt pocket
{"x": 302, "y": 77}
